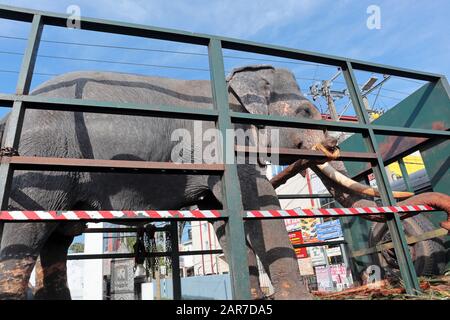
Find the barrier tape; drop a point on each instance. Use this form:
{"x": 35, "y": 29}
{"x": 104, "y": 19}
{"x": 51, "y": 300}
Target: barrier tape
{"x": 200, "y": 214}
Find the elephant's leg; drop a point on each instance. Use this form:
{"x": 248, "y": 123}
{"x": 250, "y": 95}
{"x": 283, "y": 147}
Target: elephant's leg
{"x": 51, "y": 269}
{"x": 269, "y": 238}
{"x": 210, "y": 202}
{"x": 20, "y": 246}
{"x": 255, "y": 287}
{"x": 271, "y": 243}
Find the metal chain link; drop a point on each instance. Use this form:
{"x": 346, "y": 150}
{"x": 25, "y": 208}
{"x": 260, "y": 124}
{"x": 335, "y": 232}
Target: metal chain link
{"x": 8, "y": 152}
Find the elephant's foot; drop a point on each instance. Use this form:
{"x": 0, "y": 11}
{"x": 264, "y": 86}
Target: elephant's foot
{"x": 257, "y": 294}
{"x": 52, "y": 294}
{"x": 14, "y": 276}
{"x": 287, "y": 291}
{"x": 51, "y": 282}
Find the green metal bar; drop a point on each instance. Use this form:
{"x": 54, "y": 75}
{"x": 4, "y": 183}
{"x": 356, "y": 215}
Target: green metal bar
{"x": 175, "y": 255}
{"x": 246, "y": 118}
{"x": 272, "y": 120}
{"x": 407, "y": 270}
{"x": 12, "y": 135}
{"x": 132, "y": 255}
{"x": 410, "y": 132}
{"x": 443, "y": 80}
{"x": 14, "y": 13}
{"x": 109, "y": 107}
{"x": 405, "y": 175}
{"x": 304, "y": 196}
{"x": 29, "y": 58}
{"x": 15, "y": 121}
{"x": 234, "y": 228}
{"x": 64, "y": 104}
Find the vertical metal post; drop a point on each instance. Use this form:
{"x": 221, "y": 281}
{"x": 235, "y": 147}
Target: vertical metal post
{"x": 175, "y": 256}
{"x": 14, "y": 128}
{"x": 232, "y": 200}
{"x": 407, "y": 270}
{"x": 405, "y": 175}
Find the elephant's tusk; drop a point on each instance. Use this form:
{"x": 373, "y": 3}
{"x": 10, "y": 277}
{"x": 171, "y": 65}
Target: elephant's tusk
{"x": 341, "y": 179}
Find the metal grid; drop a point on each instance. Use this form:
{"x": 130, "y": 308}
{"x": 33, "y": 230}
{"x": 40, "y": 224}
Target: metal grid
{"x": 223, "y": 117}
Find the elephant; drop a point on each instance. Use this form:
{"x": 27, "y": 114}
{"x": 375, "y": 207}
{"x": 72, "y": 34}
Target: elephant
{"x": 255, "y": 89}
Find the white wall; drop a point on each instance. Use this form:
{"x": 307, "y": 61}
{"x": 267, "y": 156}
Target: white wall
{"x": 93, "y": 269}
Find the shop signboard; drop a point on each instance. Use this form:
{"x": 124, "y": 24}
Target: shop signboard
{"x": 329, "y": 230}
{"x": 305, "y": 266}
{"x": 306, "y": 226}
{"x": 324, "y": 280}
{"x": 122, "y": 279}
{"x": 317, "y": 256}
{"x": 297, "y": 238}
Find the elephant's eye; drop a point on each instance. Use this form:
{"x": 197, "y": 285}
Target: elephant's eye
{"x": 304, "y": 112}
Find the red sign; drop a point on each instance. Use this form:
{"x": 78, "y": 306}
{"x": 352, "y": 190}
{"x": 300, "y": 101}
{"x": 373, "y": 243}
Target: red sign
{"x": 297, "y": 238}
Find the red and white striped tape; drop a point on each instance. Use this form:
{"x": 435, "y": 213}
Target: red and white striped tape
{"x": 200, "y": 214}
{"x": 305, "y": 213}
{"x": 102, "y": 215}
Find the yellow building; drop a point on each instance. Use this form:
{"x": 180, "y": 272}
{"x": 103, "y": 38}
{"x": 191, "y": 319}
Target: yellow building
{"x": 413, "y": 163}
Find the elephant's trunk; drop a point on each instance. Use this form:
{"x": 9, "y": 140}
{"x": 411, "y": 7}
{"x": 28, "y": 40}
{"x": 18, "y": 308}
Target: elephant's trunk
{"x": 433, "y": 199}
{"x": 357, "y": 187}
{"x": 350, "y": 199}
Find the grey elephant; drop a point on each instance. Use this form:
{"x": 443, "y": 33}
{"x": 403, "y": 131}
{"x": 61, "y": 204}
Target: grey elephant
{"x": 256, "y": 89}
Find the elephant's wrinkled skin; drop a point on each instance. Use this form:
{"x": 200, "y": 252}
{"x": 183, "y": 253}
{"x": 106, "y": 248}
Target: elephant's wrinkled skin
{"x": 261, "y": 89}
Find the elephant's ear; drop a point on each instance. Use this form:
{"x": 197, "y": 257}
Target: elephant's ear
{"x": 252, "y": 85}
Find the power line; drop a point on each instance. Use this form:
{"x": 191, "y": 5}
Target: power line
{"x": 167, "y": 66}
{"x": 166, "y": 51}
{"x": 34, "y": 73}
{"x": 108, "y": 61}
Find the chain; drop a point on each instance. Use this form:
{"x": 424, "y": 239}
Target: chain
{"x": 150, "y": 246}
{"x": 8, "y": 152}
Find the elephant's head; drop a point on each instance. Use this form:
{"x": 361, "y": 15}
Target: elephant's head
{"x": 265, "y": 90}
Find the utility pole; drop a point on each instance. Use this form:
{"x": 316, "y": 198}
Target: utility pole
{"x": 329, "y": 95}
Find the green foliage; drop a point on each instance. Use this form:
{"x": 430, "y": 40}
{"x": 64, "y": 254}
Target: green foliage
{"x": 76, "y": 247}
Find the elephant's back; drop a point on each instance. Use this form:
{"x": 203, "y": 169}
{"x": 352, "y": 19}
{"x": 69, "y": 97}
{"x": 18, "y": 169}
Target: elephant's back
{"x": 128, "y": 88}
{"x": 105, "y": 136}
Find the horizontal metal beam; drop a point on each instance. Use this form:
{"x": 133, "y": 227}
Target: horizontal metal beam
{"x": 94, "y": 106}
{"x": 304, "y": 123}
{"x": 304, "y": 196}
{"x": 284, "y": 52}
{"x": 14, "y": 13}
{"x": 289, "y": 155}
{"x": 319, "y": 244}
{"x": 98, "y": 165}
{"x": 110, "y": 107}
{"x": 356, "y": 127}
{"x": 132, "y": 255}
{"x": 441, "y": 232}
{"x": 131, "y": 29}
{"x": 410, "y": 132}
{"x": 121, "y": 230}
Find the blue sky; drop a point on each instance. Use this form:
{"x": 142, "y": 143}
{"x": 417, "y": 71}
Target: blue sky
{"x": 413, "y": 34}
